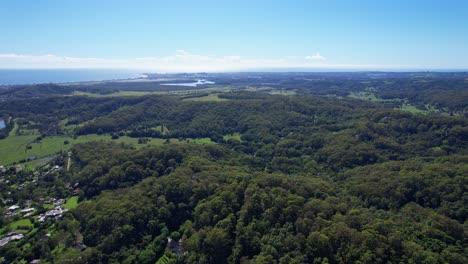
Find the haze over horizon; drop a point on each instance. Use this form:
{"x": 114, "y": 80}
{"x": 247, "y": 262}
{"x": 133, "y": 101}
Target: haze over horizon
{"x": 187, "y": 36}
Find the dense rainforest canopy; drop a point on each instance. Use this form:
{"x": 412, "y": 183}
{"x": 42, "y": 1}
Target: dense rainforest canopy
{"x": 284, "y": 179}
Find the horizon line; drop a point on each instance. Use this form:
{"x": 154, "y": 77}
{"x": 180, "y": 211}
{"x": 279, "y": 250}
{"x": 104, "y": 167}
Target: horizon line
{"x": 256, "y": 70}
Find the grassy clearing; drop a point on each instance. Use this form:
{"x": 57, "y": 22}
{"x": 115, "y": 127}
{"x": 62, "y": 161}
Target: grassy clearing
{"x": 16, "y": 224}
{"x": 236, "y": 136}
{"x": 412, "y": 109}
{"x": 138, "y": 93}
{"x": 33, "y": 163}
{"x": 199, "y": 141}
{"x": 22, "y": 222}
{"x": 13, "y": 148}
{"x": 197, "y": 90}
{"x": 71, "y": 203}
{"x": 48, "y": 206}
{"x": 208, "y": 98}
{"x": 162, "y": 129}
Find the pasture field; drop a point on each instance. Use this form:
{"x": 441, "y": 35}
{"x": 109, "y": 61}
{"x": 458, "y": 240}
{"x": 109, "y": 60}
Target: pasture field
{"x": 14, "y": 148}
{"x": 208, "y": 98}
{"x": 143, "y": 93}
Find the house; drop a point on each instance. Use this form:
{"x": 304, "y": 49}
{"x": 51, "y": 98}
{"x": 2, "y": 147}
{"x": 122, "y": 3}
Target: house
{"x": 13, "y": 208}
{"x": 56, "y": 212}
{"x": 36, "y": 261}
{"x": 27, "y": 210}
{"x": 10, "y": 237}
{"x": 60, "y": 202}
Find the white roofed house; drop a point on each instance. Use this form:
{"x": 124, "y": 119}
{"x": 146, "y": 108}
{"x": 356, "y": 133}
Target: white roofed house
{"x": 27, "y": 210}
{"x": 56, "y": 212}
{"x": 10, "y": 237}
{"x": 13, "y": 208}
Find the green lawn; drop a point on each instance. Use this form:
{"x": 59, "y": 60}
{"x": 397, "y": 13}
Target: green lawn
{"x": 71, "y": 203}
{"x": 22, "y": 222}
{"x": 14, "y": 225}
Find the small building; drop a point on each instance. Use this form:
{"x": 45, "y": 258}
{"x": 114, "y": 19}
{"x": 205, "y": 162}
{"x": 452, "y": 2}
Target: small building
{"x": 10, "y": 237}
{"x": 13, "y": 208}
{"x": 60, "y": 202}
{"x": 27, "y": 210}
{"x": 56, "y": 212}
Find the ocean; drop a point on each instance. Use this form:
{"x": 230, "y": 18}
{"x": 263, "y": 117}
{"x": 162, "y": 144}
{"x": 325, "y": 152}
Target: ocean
{"x": 14, "y": 77}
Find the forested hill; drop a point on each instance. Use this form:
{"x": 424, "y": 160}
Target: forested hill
{"x": 278, "y": 179}
{"x": 439, "y": 92}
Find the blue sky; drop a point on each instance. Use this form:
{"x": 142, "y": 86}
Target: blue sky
{"x": 234, "y": 35}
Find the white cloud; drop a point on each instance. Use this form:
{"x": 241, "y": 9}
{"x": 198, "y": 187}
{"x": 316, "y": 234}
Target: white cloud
{"x": 180, "y": 61}
{"x": 316, "y": 56}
